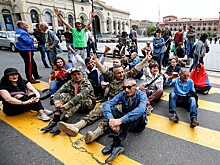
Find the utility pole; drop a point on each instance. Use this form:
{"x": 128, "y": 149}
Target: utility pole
{"x": 74, "y": 11}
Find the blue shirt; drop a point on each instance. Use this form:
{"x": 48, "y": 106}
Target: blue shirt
{"x": 23, "y": 40}
{"x": 131, "y": 112}
{"x": 170, "y": 70}
{"x": 135, "y": 61}
{"x": 180, "y": 88}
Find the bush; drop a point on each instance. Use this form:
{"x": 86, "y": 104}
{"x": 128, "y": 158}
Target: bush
{"x": 209, "y": 33}
{"x": 214, "y": 35}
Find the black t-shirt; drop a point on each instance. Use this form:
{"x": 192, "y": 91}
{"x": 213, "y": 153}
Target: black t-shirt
{"x": 40, "y": 37}
{"x": 13, "y": 90}
{"x": 69, "y": 37}
{"x": 119, "y": 47}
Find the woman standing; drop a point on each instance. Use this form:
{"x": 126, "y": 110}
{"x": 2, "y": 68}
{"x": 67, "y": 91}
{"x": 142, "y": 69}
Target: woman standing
{"x": 16, "y": 99}
{"x": 158, "y": 44}
{"x": 58, "y": 76}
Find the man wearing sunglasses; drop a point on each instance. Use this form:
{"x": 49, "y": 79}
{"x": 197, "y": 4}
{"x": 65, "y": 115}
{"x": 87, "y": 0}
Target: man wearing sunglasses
{"x": 132, "y": 118}
{"x": 116, "y": 80}
{"x": 182, "y": 86}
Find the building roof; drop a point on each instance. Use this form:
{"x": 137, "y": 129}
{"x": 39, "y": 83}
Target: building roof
{"x": 194, "y": 20}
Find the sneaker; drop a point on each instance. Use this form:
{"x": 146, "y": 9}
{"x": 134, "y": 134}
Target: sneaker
{"x": 69, "y": 61}
{"x": 174, "y": 117}
{"x": 43, "y": 117}
{"x": 149, "y": 109}
{"x": 47, "y": 111}
{"x": 206, "y": 92}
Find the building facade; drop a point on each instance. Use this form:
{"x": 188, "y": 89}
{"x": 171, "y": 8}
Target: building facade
{"x": 200, "y": 25}
{"x": 141, "y": 23}
{"x": 108, "y": 19}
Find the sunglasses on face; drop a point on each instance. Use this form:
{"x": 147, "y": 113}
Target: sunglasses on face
{"x": 186, "y": 75}
{"x": 129, "y": 86}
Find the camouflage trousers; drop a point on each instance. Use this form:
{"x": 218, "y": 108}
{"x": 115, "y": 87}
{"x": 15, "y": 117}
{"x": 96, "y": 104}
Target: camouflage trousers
{"x": 97, "y": 113}
{"x": 85, "y": 105}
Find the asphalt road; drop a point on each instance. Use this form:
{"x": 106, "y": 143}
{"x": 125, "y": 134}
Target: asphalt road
{"x": 153, "y": 146}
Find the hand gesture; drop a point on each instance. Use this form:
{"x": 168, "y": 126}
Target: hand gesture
{"x": 36, "y": 99}
{"x": 93, "y": 14}
{"x": 57, "y": 12}
{"x": 94, "y": 58}
{"x": 107, "y": 48}
{"x": 148, "y": 57}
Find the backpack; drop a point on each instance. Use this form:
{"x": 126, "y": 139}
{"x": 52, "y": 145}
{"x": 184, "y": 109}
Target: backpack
{"x": 130, "y": 35}
{"x": 191, "y": 54}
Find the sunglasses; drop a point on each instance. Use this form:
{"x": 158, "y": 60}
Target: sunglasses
{"x": 129, "y": 86}
{"x": 185, "y": 75}
{"x": 153, "y": 63}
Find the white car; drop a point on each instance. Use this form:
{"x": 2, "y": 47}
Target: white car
{"x": 7, "y": 40}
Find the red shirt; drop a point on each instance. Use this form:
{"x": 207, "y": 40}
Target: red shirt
{"x": 178, "y": 37}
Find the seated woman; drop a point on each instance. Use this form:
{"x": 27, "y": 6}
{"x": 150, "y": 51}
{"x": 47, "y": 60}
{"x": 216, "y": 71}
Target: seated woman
{"x": 200, "y": 79}
{"x": 15, "y": 96}
{"x": 152, "y": 85}
{"x": 173, "y": 67}
{"x": 58, "y": 76}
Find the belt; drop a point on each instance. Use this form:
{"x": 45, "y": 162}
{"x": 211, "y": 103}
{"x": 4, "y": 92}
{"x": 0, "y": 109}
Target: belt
{"x": 80, "y": 48}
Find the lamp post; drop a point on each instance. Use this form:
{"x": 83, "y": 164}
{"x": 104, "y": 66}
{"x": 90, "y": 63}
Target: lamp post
{"x": 74, "y": 11}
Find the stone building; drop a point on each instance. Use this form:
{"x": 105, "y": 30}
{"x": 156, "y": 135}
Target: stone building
{"x": 200, "y": 25}
{"x": 141, "y": 23}
{"x": 108, "y": 19}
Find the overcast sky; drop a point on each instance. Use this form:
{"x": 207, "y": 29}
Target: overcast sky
{"x": 148, "y": 9}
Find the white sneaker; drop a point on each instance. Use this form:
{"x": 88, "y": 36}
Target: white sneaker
{"x": 149, "y": 109}
{"x": 43, "y": 117}
{"x": 47, "y": 111}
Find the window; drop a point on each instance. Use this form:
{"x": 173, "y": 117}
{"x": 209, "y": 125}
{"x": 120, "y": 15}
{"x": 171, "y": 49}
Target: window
{"x": 204, "y": 24}
{"x": 70, "y": 20}
{"x": 209, "y": 29}
{"x": 48, "y": 19}
{"x": 198, "y": 29}
{"x": 214, "y": 29}
{"x": 210, "y": 23}
{"x": 194, "y": 24}
{"x": 203, "y": 28}
{"x": 34, "y": 16}
{"x": 199, "y": 24}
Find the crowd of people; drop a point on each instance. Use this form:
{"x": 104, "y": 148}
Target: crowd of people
{"x": 124, "y": 105}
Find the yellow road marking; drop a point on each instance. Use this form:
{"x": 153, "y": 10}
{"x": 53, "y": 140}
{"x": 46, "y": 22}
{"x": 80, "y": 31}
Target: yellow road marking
{"x": 199, "y": 135}
{"x": 206, "y": 105}
{"x": 69, "y": 150}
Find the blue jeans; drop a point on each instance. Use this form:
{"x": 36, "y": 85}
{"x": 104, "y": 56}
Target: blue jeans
{"x": 189, "y": 47}
{"x": 174, "y": 99}
{"x": 134, "y": 126}
{"x": 41, "y": 48}
{"x": 69, "y": 51}
{"x": 159, "y": 60}
{"x": 89, "y": 47}
{"x": 51, "y": 56}
{"x": 54, "y": 86}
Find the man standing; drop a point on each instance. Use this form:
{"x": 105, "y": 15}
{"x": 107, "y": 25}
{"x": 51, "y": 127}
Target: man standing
{"x": 69, "y": 42}
{"x": 25, "y": 45}
{"x": 134, "y": 36}
{"x": 132, "y": 118}
{"x": 182, "y": 86}
{"x": 76, "y": 94}
{"x": 41, "y": 44}
{"x": 190, "y": 40}
{"x": 90, "y": 42}
{"x": 52, "y": 43}
{"x": 178, "y": 37}
{"x": 184, "y": 36}
{"x": 79, "y": 35}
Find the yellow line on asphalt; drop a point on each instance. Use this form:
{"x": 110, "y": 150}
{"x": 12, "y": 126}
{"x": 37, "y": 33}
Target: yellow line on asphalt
{"x": 69, "y": 150}
{"x": 199, "y": 135}
{"x": 206, "y": 105}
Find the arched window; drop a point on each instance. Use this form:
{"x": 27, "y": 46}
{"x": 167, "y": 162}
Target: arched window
{"x": 48, "y": 19}
{"x": 34, "y": 16}
{"x": 174, "y": 29}
{"x": 59, "y": 23}
{"x": 198, "y": 28}
{"x": 203, "y": 28}
{"x": 114, "y": 26}
{"x": 107, "y": 25}
{"x": 82, "y": 20}
{"x": 70, "y": 20}
{"x": 210, "y": 29}
{"x": 8, "y": 20}
{"x": 171, "y": 29}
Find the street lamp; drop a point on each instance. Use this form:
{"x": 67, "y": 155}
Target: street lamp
{"x": 93, "y": 25}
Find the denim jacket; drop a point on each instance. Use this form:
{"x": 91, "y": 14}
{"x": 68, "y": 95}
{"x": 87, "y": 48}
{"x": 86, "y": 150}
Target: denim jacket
{"x": 131, "y": 113}
{"x": 158, "y": 45}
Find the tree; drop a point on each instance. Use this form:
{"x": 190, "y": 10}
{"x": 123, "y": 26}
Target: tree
{"x": 151, "y": 29}
{"x": 214, "y": 35}
{"x": 135, "y": 26}
{"x": 209, "y": 33}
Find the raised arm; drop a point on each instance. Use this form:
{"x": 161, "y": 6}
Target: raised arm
{"x": 90, "y": 21}
{"x": 58, "y": 13}
{"x": 143, "y": 62}
{"x": 98, "y": 64}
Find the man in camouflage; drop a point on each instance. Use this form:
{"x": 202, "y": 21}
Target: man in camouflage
{"x": 116, "y": 82}
{"x": 76, "y": 94}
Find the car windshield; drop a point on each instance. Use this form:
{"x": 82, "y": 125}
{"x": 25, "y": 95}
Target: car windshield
{"x": 11, "y": 35}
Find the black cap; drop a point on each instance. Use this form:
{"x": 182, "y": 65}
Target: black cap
{"x": 10, "y": 71}
{"x": 119, "y": 40}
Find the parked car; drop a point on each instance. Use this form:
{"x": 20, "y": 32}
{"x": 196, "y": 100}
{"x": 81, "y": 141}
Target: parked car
{"x": 7, "y": 40}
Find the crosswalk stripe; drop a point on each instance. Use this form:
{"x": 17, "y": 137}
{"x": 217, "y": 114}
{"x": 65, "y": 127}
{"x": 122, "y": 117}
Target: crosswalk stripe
{"x": 69, "y": 150}
{"x": 206, "y": 105}
{"x": 199, "y": 135}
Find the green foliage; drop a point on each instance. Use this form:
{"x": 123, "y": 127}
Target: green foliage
{"x": 135, "y": 26}
{"x": 214, "y": 35}
{"x": 151, "y": 30}
{"x": 209, "y": 33}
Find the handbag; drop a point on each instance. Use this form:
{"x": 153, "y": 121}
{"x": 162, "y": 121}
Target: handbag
{"x": 173, "y": 48}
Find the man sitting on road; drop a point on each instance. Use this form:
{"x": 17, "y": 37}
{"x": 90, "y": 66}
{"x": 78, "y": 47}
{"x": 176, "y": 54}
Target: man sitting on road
{"x": 119, "y": 49}
{"x": 76, "y": 94}
{"x": 116, "y": 81}
{"x": 135, "y": 60}
{"x": 182, "y": 86}
{"x": 132, "y": 118}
